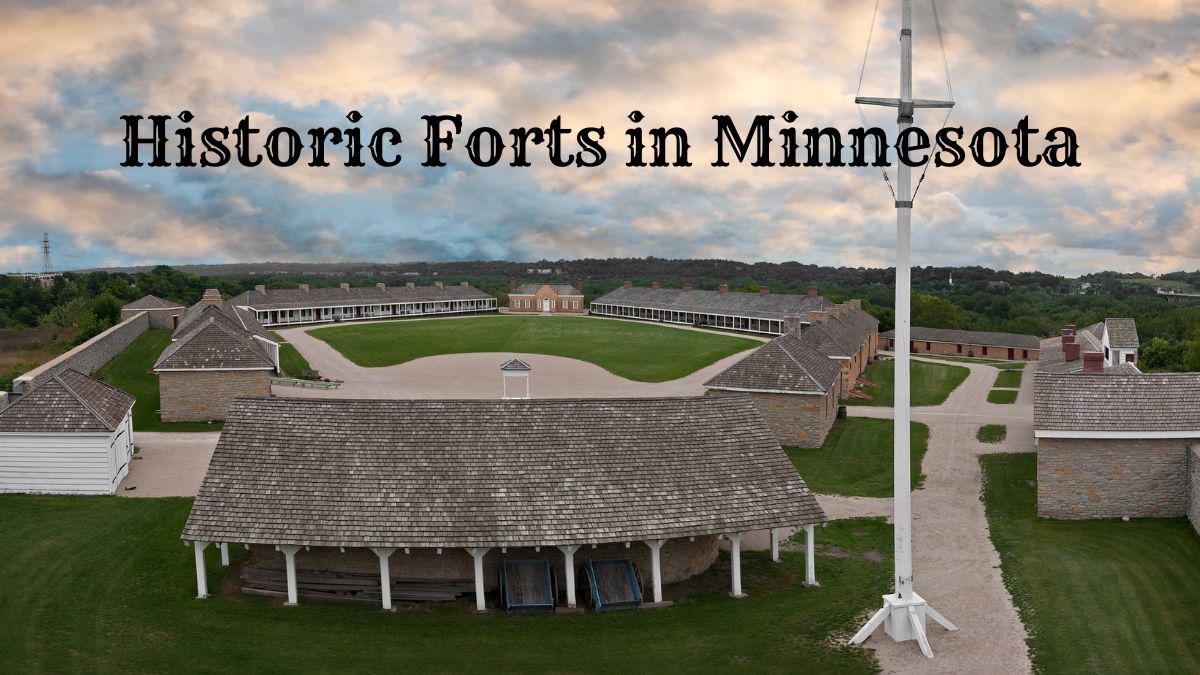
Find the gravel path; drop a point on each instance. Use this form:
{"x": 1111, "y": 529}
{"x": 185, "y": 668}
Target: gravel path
{"x": 956, "y": 567}
{"x": 168, "y": 464}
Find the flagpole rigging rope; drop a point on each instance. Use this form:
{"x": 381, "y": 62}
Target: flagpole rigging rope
{"x": 937, "y": 22}
{"x": 862, "y": 116}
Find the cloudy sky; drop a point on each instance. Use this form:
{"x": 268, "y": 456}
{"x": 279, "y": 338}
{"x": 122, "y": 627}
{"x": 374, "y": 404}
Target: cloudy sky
{"x": 1125, "y": 75}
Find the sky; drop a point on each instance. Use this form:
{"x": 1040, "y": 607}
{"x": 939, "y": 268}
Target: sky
{"x": 1124, "y": 75}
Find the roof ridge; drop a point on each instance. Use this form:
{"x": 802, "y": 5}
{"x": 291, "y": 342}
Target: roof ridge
{"x": 70, "y": 390}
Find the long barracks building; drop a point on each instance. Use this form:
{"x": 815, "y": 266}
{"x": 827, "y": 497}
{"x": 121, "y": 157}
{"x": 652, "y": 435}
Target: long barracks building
{"x": 282, "y": 307}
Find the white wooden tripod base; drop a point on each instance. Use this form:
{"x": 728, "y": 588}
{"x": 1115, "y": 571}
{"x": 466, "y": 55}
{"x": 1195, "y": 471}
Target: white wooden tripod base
{"x": 903, "y": 620}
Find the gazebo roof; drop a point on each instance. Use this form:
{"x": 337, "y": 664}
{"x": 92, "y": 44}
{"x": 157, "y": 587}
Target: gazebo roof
{"x": 495, "y": 473}
{"x": 515, "y": 364}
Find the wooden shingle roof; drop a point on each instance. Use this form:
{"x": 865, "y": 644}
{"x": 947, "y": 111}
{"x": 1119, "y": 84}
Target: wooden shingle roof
{"x": 785, "y": 364}
{"x": 211, "y": 343}
{"x": 559, "y": 289}
{"x": 777, "y": 306}
{"x": 1122, "y": 333}
{"x": 971, "y": 337}
{"x": 296, "y": 298}
{"x": 515, "y": 364}
{"x": 152, "y": 302}
{"x": 1117, "y": 401}
{"x": 494, "y": 473}
{"x": 68, "y": 402}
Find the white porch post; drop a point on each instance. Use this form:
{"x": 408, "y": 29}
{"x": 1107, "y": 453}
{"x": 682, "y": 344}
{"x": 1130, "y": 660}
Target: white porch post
{"x": 201, "y": 573}
{"x": 289, "y": 558}
{"x": 774, "y": 544}
{"x": 735, "y": 556}
{"x": 385, "y": 575}
{"x": 810, "y": 556}
{"x": 477, "y": 554}
{"x": 656, "y": 565}
{"x": 224, "y": 546}
{"x": 569, "y": 570}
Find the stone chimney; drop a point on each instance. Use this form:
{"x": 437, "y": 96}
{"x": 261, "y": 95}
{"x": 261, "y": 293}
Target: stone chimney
{"x": 381, "y": 286}
{"x": 812, "y": 292}
{"x": 438, "y": 284}
{"x": 724, "y": 288}
{"x": 304, "y": 287}
{"x": 791, "y": 326}
{"x": 687, "y": 287}
{"x": 463, "y": 284}
{"x": 1093, "y": 362}
{"x": 817, "y": 316}
{"x": 765, "y": 290}
{"x": 854, "y": 304}
{"x": 655, "y": 284}
{"x": 212, "y": 297}
{"x": 512, "y": 284}
{"x": 261, "y": 289}
{"x": 628, "y": 284}
{"x": 344, "y": 287}
{"x": 410, "y": 285}
{"x": 1071, "y": 351}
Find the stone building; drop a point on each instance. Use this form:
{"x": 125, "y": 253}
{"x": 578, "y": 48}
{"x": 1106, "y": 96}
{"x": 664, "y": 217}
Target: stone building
{"x": 289, "y": 306}
{"x": 545, "y": 298}
{"x": 162, "y": 313}
{"x": 968, "y": 343}
{"x": 217, "y": 353}
{"x": 847, "y": 335}
{"x": 794, "y": 386}
{"x": 435, "y": 490}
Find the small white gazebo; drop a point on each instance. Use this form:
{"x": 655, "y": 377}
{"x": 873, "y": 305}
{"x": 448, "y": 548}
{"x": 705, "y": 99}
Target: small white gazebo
{"x": 515, "y": 368}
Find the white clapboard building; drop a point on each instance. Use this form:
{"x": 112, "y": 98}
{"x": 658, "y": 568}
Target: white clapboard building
{"x": 70, "y": 435}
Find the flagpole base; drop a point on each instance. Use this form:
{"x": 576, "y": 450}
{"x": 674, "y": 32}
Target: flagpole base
{"x": 903, "y": 619}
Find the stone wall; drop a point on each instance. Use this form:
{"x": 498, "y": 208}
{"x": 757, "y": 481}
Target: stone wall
{"x": 159, "y": 318}
{"x": 681, "y": 559}
{"x": 966, "y": 350}
{"x": 1110, "y": 478}
{"x": 88, "y": 357}
{"x": 205, "y": 395}
{"x": 801, "y": 420}
{"x": 1194, "y": 486}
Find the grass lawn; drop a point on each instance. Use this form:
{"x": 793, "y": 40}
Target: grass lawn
{"x": 636, "y": 351}
{"x": 1097, "y": 596}
{"x": 992, "y": 433}
{"x": 1010, "y": 379}
{"x": 1002, "y": 396}
{"x": 856, "y": 459}
{"x": 129, "y": 371}
{"x": 931, "y": 383}
{"x": 291, "y": 361}
{"x": 103, "y": 585}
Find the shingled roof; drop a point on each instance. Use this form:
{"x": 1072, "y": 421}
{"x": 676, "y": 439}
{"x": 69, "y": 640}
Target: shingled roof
{"x": 235, "y": 317}
{"x": 152, "y": 302}
{"x": 1122, "y": 333}
{"x": 212, "y": 343}
{"x": 971, "y": 337}
{"x": 494, "y": 473}
{"x": 559, "y": 289}
{"x": 1117, "y": 402}
{"x": 515, "y": 364}
{"x": 776, "y": 306}
{"x": 295, "y": 298}
{"x": 68, "y": 402}
{"x": 785, "y": 364}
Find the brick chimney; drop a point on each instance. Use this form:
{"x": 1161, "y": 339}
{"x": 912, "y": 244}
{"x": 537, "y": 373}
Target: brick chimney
{"x": 765, "y": 290}
{"x": 344, "y": 287}
{"x": 655, "y": 284}
{"x": 724, "y": 288}
{"x": 1067, "y": 339}
{"x": 791, "y": 326}
{"x": 212, "y": 297}
{"x": 1071, "y": 327}
{"x": 438, "y": 284}
{"x": 687, "y": 287}
{"x": 512, "y": 284}
{"x": 381, "y": 286}
{"x": 628, "y": 284}
{"x": 1093, "y": 362}
{"x": 813, "y": 292}
{"x": 261, "y": 289}
{"x": 304, "y": 287}
{"x": 1071, "y": 351}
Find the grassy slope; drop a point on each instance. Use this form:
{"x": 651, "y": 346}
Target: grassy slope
{"x": 291, "y": 361}
{"x": 856, "y": 459}
{"x": 636, "y": 351}
{"x": 931, "y": 383}
{"x": 129, "y": 371}
{"x": 1010, "y": 379}
{"x": 991, "y": 433}
{"x": 1002, "y": 396}
{"x": 1097, "y": 595}
{"x": 103, "y": 584}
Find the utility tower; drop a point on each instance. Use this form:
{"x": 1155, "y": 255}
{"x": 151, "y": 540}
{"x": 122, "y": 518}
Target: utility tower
{"x": 47, "y": 266}
{"x": 903, "y": 613}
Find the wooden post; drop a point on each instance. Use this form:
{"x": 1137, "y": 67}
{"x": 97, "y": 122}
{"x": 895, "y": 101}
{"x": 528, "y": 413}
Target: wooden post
{"x": 810, "y": 556}
{"x": 201, "y": 572}
{"x": 774, "y": 544}
{"x": 289, "y": 558}
{"x": 569, "y": 571}
{"x": 656, "y": 565}
{"x": 735, "y": 556}
{"x": 224, "y": 546}
{"x": 477, "y": 554}
{"x": 385, "y": 575}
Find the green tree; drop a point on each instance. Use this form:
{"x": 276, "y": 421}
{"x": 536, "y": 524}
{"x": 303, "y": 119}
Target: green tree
{"x": 929, "y": 311}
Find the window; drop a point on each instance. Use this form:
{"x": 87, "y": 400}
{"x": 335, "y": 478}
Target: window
{"x": 526, "y": 303}
{"x": 985, "y": 351}
{"x": 958, "y": 349}
{"x": 1130, "y": 357}
{"x": 926, "y": 346}
{"x": 576, "y": 304}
